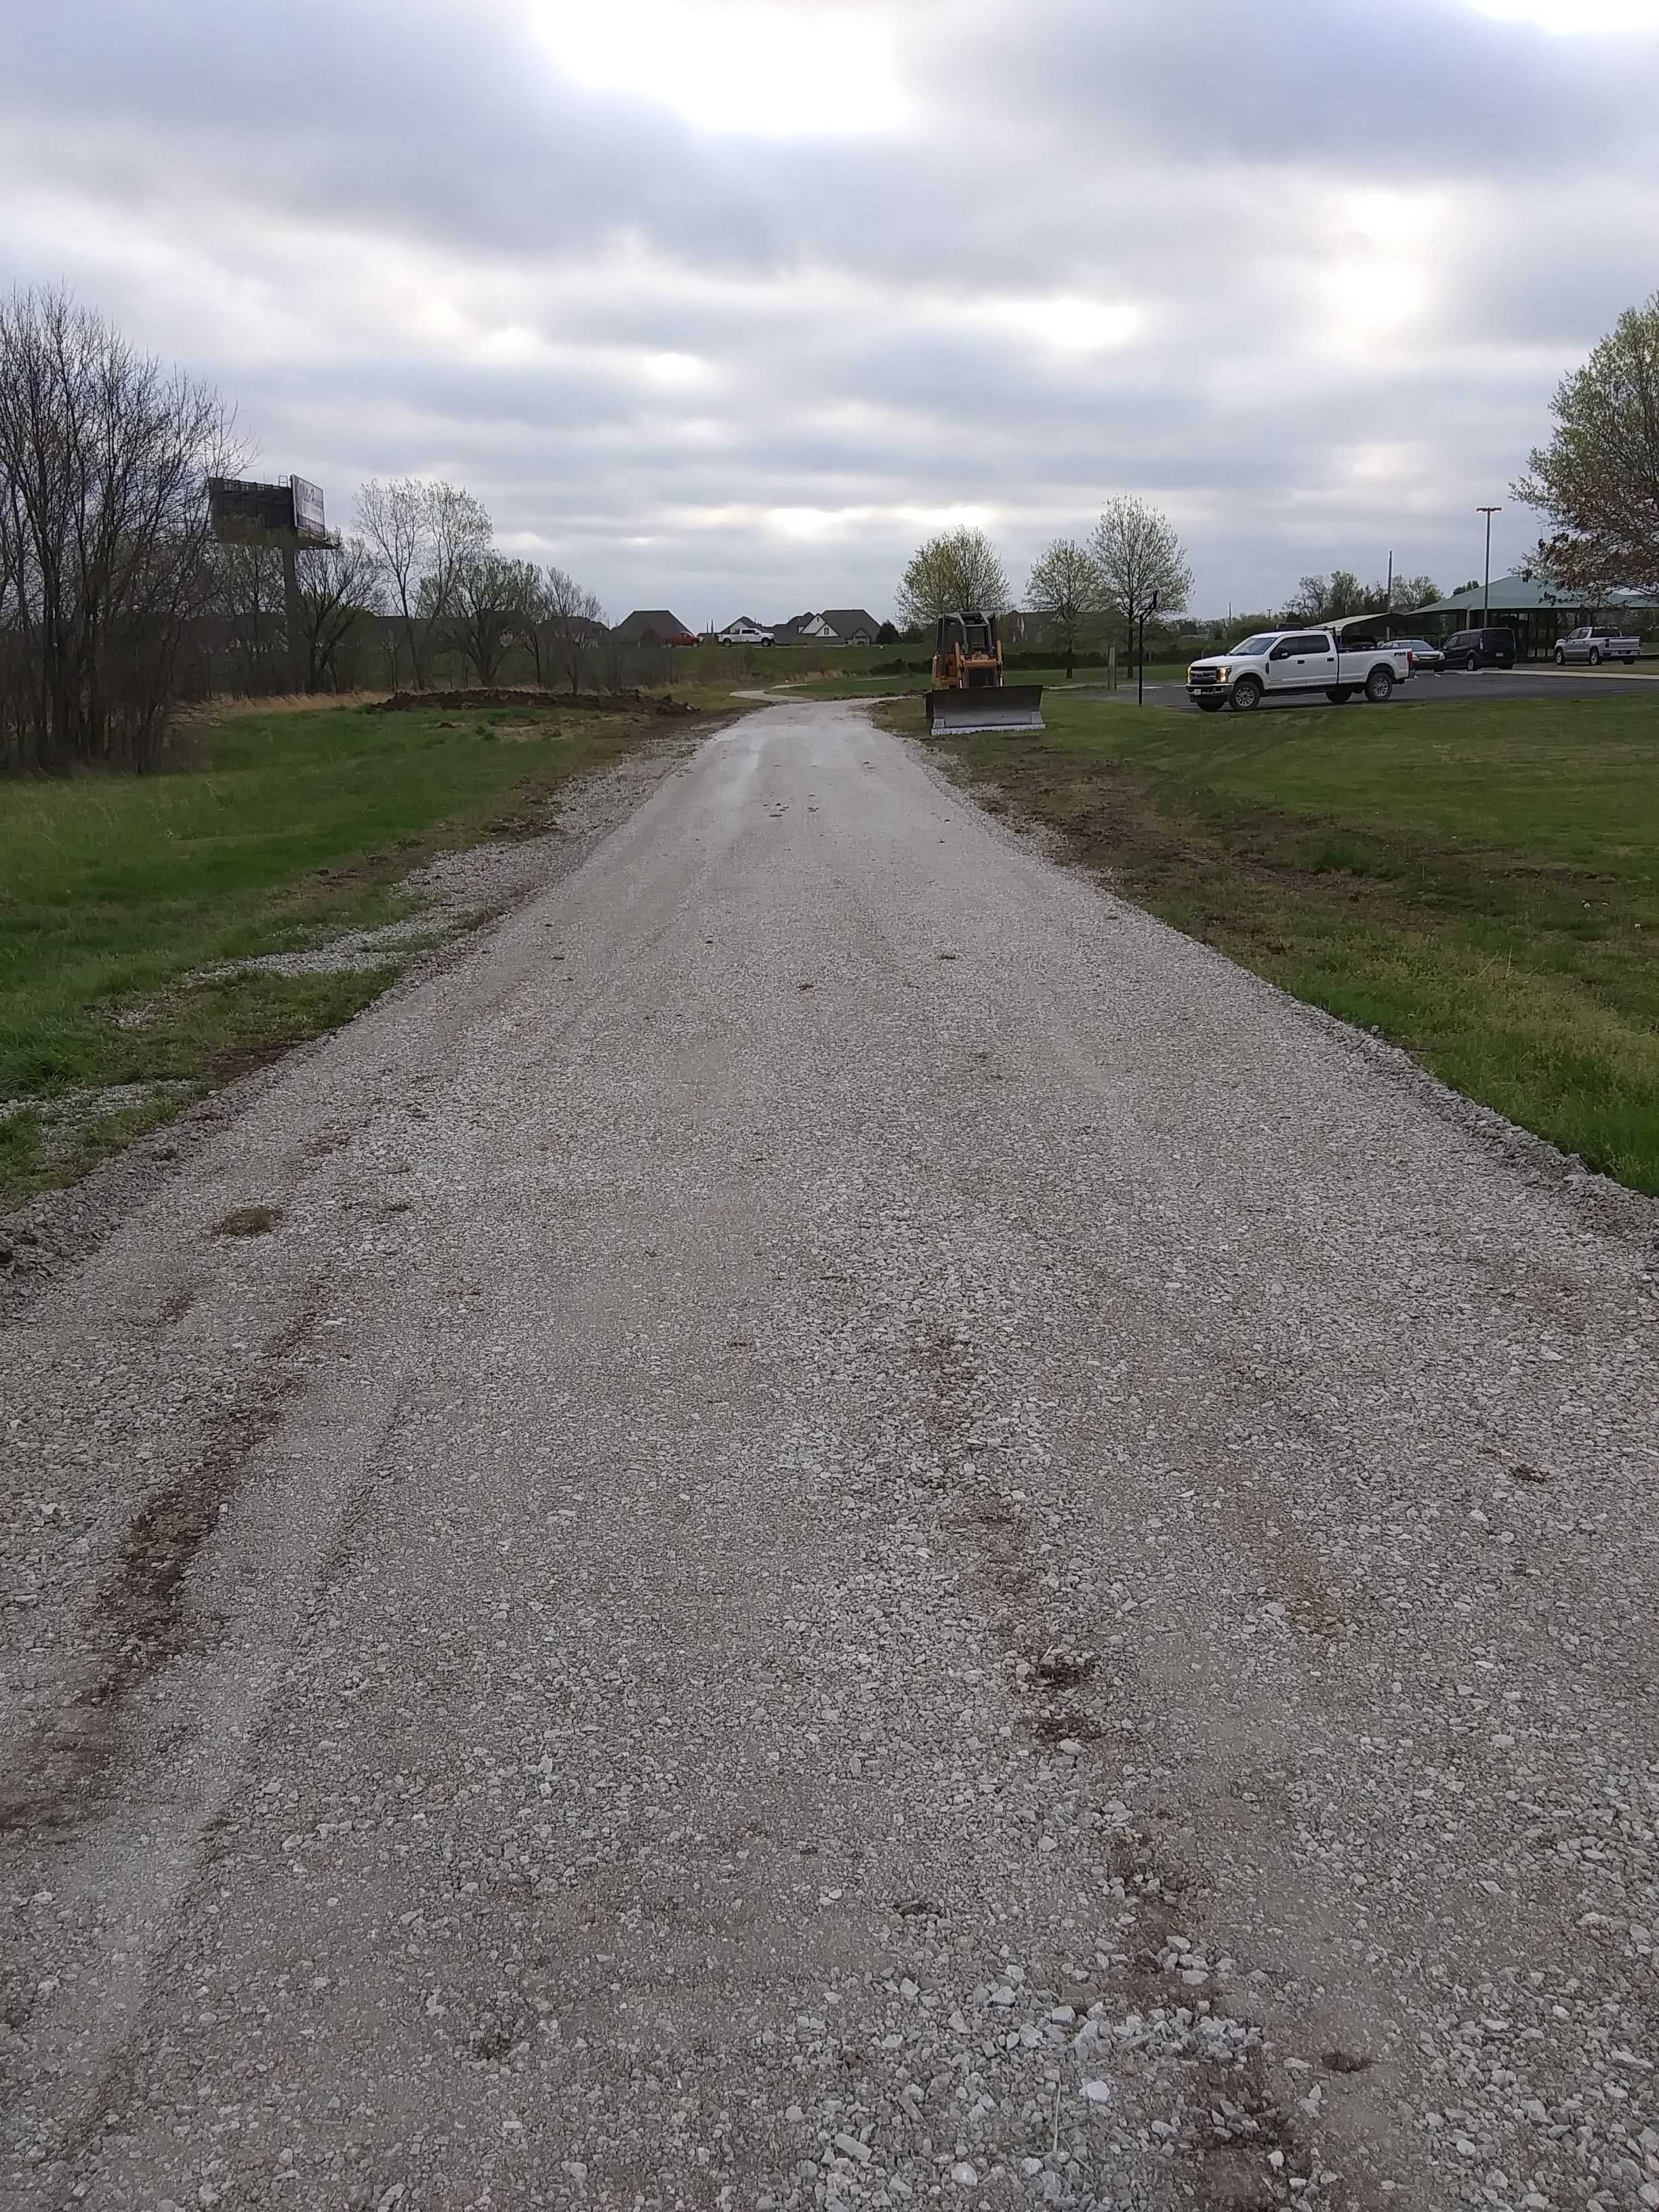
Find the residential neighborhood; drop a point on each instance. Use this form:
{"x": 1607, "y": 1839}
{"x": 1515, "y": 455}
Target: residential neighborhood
{"x": 835, "y": 626}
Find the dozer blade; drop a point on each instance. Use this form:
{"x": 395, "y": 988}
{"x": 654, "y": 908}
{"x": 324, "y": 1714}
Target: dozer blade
{"x": 1000, "y": 706}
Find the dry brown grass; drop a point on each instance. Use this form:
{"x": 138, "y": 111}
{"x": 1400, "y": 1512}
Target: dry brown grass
{"x": 225, "y": 706}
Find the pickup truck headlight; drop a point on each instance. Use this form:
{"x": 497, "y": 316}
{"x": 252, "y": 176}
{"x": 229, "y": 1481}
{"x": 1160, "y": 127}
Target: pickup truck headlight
{"x": 1223, "y": 671}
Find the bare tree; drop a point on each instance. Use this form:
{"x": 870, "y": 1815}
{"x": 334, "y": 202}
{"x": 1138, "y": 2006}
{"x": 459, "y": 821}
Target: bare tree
{"x": 574, "y": 623}
{"x": 339, "y": 595}
{"x": 1139, "y": 556}
{"x": 956, "y": 573}
{"x": 393, "y": 519}
{"x": 423, "y": 535}
{"x": 245, "y": 589}
{"x": 492, "y": 601}
{"x": 1065, "y": 588}
{"x": 531, "y": 630}
{"x": 459, "y": 537}
{"x": 1597, "y": 480}
{"x": 104, "y": 534}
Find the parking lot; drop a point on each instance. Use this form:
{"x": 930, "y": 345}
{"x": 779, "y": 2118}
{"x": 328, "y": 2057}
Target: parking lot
{"x": 1531, "y": 682}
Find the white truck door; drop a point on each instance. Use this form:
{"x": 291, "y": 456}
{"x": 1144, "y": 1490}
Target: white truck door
{"x": 1299, "y": 664}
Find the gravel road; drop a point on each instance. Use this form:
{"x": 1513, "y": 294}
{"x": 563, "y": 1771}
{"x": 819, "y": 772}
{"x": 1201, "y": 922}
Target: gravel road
{"x": 858, "y": 1530}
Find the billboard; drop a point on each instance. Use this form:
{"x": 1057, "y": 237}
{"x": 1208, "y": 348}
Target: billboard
{"x": 241, "y": 511}
{"x": 308, "y": 522}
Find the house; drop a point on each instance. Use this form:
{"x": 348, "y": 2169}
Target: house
{"x": 804, "y": 630}
{"x": 1537, "y": 612}
{"x": 850, "y": 625}
{"x": 652, "y": 626}
{"x": 835, "y": 626}
{"x": 745, "y": 630}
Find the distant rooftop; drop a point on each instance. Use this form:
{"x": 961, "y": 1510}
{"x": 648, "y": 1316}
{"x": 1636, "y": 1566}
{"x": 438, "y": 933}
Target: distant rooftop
{"x": 1514, "y": 594}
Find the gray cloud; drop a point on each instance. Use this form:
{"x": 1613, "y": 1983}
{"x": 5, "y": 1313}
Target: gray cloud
{"x": 1306, "y": 276}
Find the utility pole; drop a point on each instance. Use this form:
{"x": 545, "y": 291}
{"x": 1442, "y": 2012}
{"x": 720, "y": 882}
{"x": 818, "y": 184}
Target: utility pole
{"x": 1485, "y": 589}
{"x": 1388, "y": 593}
{"x": 1140, "y": 656}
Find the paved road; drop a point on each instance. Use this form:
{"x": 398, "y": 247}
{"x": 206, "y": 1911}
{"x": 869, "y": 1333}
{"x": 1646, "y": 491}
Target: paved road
{"x": 1483, "y": 683}
{"x": 871, "y": 1534}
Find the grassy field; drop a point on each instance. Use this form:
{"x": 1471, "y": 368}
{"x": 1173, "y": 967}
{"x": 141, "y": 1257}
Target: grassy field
{"x": 278, "y": 831}
{"x": 860, "y": 686}
{"x": 1479, "y": 883}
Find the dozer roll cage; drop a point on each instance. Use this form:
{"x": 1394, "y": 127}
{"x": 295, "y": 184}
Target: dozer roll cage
{"x": 966, "y": 646}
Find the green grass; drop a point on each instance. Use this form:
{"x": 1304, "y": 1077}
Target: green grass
{"x": 858, "y": 686}
{"x": 1477, "y": 882}
{"x": 291, "y": 827}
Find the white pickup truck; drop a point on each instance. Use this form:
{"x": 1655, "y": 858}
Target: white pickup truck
{"x": 1290, "y": 663}
{"x": 1594, "y": 644}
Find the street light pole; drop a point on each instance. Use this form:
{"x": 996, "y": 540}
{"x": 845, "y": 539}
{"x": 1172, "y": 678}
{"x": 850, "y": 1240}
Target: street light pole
{"x": 1485, "y": 589}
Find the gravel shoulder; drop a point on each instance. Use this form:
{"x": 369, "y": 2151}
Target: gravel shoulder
{"x": 460, "y": 891}
{"x": 829, "y": 1523}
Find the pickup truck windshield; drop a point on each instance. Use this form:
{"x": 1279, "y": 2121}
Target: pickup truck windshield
{"x": 1262, "y": 644}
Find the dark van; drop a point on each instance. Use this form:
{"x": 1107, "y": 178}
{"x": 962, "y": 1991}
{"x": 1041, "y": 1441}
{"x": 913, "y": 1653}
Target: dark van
{"x": 1480, "y": 649}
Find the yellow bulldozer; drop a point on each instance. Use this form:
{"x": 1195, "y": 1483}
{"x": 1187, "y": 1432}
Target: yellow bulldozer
{"x": 969, "y": 692}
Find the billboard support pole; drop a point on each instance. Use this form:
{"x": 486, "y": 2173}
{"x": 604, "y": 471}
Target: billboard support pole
{"x": 298, "y": 668}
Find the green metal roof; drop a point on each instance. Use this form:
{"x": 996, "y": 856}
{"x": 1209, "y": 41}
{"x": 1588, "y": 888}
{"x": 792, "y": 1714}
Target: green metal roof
{"x": 1514, "y": 593}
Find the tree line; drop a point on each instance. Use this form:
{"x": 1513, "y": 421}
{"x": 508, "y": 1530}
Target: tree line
{"x": 111, "y": 575}
{"x": 421, "y": 569}
{"x": 1596, "y": 482}
{"x": 1132, "y": 561}
{"x": 1133, "y": 556}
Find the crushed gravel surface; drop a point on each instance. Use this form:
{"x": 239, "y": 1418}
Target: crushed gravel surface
{"x": 866, "y": 1532}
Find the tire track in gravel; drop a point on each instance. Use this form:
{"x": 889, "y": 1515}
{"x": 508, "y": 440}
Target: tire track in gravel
{"x": 899, "y": 1576}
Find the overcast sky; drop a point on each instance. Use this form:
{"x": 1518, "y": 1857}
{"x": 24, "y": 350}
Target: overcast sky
{"x": 724, "y": 304}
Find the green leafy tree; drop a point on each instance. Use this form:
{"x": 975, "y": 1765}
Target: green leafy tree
{"x": 1138, "y": 556}
{"x": 1332, "y": 598}
{"x": 1411, "y": 594}
{"x": 1066, "y": 588}
{"x": 956, "y": 573}
{"x": 1597, "y": 480}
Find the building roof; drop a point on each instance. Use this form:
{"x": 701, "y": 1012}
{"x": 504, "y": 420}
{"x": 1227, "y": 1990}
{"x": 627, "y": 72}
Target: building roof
{"x": 844, "y": 620}
{"x": 632, "y": 628}
{"x": 1514, "y": 594}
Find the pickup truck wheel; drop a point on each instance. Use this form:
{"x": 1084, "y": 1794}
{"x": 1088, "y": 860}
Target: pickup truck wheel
{"x": 1210, "y": 706}
{"x": 1246, "y": 694}
{"x": 1379, "y": 684}
{"x": 1560, "y": 658}
{"x": 1339, "y": 694}
{"x": 1595, "y": 657}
